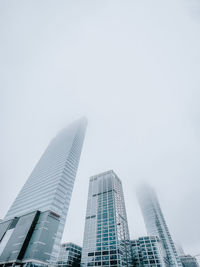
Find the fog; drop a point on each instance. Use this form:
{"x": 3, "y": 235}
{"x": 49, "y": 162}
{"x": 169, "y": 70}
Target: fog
{"x": 132, "y": 68}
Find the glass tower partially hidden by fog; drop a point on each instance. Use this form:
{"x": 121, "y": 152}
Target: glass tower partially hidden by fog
{"x": 156, "y": 224}
{"x": 106, "y": 236}
{"x": 50, "y": 185}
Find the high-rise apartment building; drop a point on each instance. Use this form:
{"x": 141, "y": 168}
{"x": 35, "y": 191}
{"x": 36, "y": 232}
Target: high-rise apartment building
{"x": 50, "y": 185}
{"x": 69, "y": 255}
{"x": 156, "y": 224}
{"x": 147, "y": 252}
{"x": 106, "y": 236}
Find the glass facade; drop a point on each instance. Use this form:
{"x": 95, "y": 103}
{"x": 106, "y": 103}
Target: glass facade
{"x": 28, "y": 238}
{"x": 42, "y": 240}
{"x": 69, "y": 255}
{"x": 189, "y": 261}
{"x": 147, "y": 252}
{"x": 106, "y": 235}
{"x": 156, "y": 225}
{"x": 50, "y": 185}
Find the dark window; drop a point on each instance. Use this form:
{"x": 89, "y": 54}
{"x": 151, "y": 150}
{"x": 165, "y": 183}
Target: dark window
{"x": 91, "y": 254}
{"x": 113, "y": 262}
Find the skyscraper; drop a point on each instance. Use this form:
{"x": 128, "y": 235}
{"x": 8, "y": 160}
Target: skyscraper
{"x": 156, "y": 224}
{"x": 106, "y": 236}
{"x": 50, "y": 185}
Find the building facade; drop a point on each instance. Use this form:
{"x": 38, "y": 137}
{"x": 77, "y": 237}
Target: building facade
{"x": 189, "y": 261}
{"x": 50, "y": 185}
{"x": 23, "y": 238}
{"x": 156, "y": 224}
{"x": 106, "y": 235}
{"x": 147, "y": 252}
{"x": 69, "y": 255}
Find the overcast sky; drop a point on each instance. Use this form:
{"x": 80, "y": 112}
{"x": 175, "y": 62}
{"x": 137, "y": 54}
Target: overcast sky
{"x": 132, "y": 68}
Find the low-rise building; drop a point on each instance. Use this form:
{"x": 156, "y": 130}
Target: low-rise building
{"x": 189, "y": 261}
{"x": 69, "y": 255}
{"x": 28, "y": 240}
{"x": 147, "y": 251}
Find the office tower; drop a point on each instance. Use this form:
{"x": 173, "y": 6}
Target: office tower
{"x": 50, "y": 185}
{"x": 69, "y": 255}
{"x": 156, "y": 225}
{"x": 189, "y": 261}
{"x": 147, "y": 252}
{"x": 106, "y": 235}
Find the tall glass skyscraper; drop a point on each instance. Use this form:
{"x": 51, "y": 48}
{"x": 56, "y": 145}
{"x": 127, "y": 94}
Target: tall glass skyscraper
{"x": 50, "y": 185}
{"x": 156, "y": 224}
{"x": 106, "y": 236}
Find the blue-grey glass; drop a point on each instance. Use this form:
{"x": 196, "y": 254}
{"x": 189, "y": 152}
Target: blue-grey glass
{"x": 69, "y": 256}
{"x": 189, "y": 261}
{"x": 42, "y": 239}
{"x": 106, "y": 236}
{"x": 50, "y": 185}
{"x": 19, "y": 229}
{"x": 156, "y": 224}
{"x": 147, "y": 251}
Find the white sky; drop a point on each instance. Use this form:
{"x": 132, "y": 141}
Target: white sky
{"x": 132, "y": 68}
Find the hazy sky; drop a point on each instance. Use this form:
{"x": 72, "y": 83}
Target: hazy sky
{"x": 132, "y": 68}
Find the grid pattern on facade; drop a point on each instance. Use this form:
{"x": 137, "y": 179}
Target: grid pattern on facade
{"x": 69, "y": 255}
{"x": 147, "y": 251}
{"x": 106, "y": 237}
{"x": 156, "y": 224}
{"x": 50, "y": 185}
{"x": 189, "y": 261}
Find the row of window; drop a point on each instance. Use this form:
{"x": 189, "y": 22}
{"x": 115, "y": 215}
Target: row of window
{"x": 105, "y": 196}
{"x": 104, "y": 252}
{"x": 106, "y": 230}
{"x": 105, "y": 202}
{"x": 106, "y": 222}
{"x": 149, "y": 245}
{"x": 104, "y": 208}
{"x": 105, "y": 248}
{"x": 99, "y": 263}
{"x": 151, "y": 261}
{"x": 105, "y": 226}
{"x": 105, "y": 243}
{"x": 105, "y": 199}
{"x": 105, "y": 217}
{"x": 103, "y": 258}
{"x": 105, "y": 237}
{"x": 111, "y": 238}
{"x": 152, "y": 265}
{"x": 108, "y": 191}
